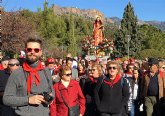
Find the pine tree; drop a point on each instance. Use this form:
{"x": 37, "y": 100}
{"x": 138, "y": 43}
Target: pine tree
{"x": 48, "y": 23}
{"x": 72, "y": 40}
{"x": 127, "y": 42}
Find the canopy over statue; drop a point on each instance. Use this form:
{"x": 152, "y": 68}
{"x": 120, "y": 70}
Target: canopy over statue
{"x": 98, "y": 31}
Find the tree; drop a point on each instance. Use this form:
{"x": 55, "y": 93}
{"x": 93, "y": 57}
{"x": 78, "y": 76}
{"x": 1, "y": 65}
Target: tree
{"x": 72, "y": 46}
{"x": 16, "y": 30}
{"x": 146, "y": 53}
{"x": 48, "y": 25}
{"x": 127, "y": 37}
{"x": 153, "y": 41}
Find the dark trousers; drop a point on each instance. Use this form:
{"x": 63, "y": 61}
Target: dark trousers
{"x": 5, "y": 110}
{"x": 110, "y": 114}
{"x": 90, "y": 110}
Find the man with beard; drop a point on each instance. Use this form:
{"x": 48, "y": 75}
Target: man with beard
{"x": 29, "y": 88}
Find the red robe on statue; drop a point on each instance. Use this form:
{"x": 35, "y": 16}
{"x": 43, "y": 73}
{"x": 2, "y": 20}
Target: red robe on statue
{"x": 98, "y": 32}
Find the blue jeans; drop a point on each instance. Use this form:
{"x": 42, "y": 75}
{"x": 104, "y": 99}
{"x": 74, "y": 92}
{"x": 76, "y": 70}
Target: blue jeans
{"x": 135, "y": 108}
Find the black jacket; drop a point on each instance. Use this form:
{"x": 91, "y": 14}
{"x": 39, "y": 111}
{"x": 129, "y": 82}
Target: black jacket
{"x": 111, "y": 99}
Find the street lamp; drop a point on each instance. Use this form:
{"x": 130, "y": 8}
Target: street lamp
{"x": 128, "y": 38}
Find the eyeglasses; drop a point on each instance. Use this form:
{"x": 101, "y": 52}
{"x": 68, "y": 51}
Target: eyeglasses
{"x": 16, "y": 64}
{"x": 69, "y": 74}
{"x": 36, "y": 50}
{"x": 110, "y": 68}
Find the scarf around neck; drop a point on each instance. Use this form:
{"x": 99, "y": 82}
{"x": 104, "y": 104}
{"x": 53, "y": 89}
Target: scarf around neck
{"x": 111, "y": 84}
{"x": 32, "y": 72}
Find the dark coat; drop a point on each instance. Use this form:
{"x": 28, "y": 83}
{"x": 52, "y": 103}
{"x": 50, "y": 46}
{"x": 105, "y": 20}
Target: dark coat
{"x": 88, "y": 87}
{"x": 111, "y": 99}
{"x": 4, "y": 75}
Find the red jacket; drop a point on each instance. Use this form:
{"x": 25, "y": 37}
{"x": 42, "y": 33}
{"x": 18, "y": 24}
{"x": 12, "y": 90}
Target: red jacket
{"x": 72, "y": 95}
{"x": 1, "y": 67}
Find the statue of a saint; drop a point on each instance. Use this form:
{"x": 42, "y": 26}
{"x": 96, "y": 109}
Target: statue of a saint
{"x": 98, "y": 29}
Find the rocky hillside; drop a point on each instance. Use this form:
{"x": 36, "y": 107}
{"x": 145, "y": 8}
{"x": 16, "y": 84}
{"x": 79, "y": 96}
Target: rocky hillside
{"x": 82, "y": 12}
{"x": 158, "y": 24}
{"x": 92, "y": 13}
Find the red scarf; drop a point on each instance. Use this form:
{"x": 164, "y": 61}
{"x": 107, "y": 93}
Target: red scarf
{"x": 81, "y": 73}
{"x": 117, "y": 78}
{"x": 92, "y": 80}
{"x": 32, "y": 72}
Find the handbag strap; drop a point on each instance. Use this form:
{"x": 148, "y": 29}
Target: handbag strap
{"x": 62, "y": 97}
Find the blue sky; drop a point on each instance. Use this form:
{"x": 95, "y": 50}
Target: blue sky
{"x": 145, "y": 10}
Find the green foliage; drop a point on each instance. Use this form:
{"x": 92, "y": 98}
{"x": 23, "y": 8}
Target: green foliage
{"x": 65, "y": 33}
{"x": 48, "y": 25}
{"x": 152, "y": 37}
{"x": 151, "y": 53}
{"x": 110, "y": 30}
{"x": 153, "y": 41}
{"x": 127, "y": 38}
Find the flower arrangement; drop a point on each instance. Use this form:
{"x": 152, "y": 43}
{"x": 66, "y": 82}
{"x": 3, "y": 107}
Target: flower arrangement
{"x": 106, "y": 46}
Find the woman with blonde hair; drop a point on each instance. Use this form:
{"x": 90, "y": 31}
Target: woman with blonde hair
{"x": 88, "y": 89}
{"x": 68, "y": 95}
{"x": 111, "y": 92}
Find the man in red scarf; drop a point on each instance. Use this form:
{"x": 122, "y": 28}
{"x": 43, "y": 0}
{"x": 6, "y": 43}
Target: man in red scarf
{"x": 27, "y": 86}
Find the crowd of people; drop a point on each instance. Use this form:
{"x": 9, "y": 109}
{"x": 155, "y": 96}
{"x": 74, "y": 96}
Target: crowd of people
{"x": 80, "y": 87}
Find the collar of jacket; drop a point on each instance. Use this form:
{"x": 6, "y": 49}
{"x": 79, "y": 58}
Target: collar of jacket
{"x": 61, "y": 86}
{"x": 160, "y": 73}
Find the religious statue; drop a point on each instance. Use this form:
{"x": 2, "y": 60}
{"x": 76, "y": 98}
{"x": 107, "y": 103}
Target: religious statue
{"x": 98, "y": 29}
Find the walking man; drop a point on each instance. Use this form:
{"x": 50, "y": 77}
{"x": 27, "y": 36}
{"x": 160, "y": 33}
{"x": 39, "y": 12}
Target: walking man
{"x": 29, "y": 88}
{"x": 153, "y": 89}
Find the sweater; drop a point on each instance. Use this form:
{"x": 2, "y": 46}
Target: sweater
{"x": 16, "y": 96}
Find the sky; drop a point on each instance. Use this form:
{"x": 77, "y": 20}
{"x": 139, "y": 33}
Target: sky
{"x": 146, "y": 10}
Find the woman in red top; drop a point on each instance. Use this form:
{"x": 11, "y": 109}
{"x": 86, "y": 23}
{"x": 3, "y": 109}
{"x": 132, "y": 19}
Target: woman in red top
{"x": 71, "y": 93}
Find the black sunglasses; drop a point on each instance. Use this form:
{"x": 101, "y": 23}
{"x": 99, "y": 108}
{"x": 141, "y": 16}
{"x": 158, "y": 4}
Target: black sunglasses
{"x": 114, "y": 68}
{"x": 11, "y": 65}
{"x": 36, "y": 50}
{"x": 69, "y": 74}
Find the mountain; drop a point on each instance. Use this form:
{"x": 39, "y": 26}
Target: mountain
{"x": 87, "y": 13}
{"x": 158, "y": 24}
{"x": 115, "y": 20}
{"x": 92, "y": 13}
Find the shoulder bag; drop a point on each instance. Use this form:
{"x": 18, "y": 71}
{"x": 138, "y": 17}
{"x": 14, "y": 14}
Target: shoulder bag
{"x": 72, "y": 111}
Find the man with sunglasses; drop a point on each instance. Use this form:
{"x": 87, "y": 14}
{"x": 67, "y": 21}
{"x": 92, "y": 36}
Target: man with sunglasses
{"x": 153, "y": 87}
{"x": 28, "y": 86}
{"x": 13, "y": 64}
